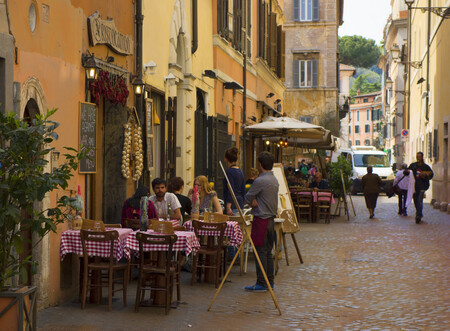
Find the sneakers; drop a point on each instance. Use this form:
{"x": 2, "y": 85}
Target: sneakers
{"x": 256, "y": 288}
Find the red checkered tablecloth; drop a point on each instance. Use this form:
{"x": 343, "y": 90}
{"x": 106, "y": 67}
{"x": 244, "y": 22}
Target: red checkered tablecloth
{"x": 187, "y": 242}
{"x": 233, "y": 231}
{"x": 71, "y": 243}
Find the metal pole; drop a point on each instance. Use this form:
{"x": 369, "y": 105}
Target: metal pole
{"x": 244, "y": 110}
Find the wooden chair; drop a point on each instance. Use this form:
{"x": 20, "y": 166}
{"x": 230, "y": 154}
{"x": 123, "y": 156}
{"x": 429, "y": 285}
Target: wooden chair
{"x": 161, "y": 226}
{"x": 99, "y": 265}
{"x": 132, "y": 224}
{"x": 90, "y": 224}
{"x": 115, "y": 225}
{"x": 213, "y": 250}
{"x": 148, "y": 270}
{"x": 302, "y": 200}
{"x": 215, "y": 217}
{"x": 323, "y": 204}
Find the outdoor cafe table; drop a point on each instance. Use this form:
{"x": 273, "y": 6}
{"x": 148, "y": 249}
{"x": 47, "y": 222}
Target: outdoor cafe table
{"x": 233, "y": 231}
{"x": 187, "y": 242}
{"x": 314, "y": 195}
{"x": 71, "y": 243}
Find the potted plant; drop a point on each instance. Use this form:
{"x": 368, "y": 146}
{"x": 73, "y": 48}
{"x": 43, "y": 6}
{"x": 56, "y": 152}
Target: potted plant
{"x": 25, "y": 179}
{"x": 335, "y": 180}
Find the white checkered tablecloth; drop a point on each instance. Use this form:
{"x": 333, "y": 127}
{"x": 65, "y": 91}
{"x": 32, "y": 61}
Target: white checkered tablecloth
{"x": 187, "y": 242}
{"x": 233, "y": 231}
{"x": 71, "y": 243}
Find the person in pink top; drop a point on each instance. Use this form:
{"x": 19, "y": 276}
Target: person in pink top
{"x": 405, "y": 183}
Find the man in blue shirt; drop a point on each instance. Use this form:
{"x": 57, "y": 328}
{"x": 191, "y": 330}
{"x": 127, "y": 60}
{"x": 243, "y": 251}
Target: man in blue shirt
{"x": 263, "y": 198}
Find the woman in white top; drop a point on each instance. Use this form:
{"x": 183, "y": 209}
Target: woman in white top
{"x": 405, "y": 182}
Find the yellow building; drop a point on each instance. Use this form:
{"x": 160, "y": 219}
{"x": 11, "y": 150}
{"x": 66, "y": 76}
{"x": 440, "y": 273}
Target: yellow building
{"x": 428, "y": 70}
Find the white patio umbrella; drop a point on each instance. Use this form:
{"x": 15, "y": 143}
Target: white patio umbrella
{"x": 297, "y": 132}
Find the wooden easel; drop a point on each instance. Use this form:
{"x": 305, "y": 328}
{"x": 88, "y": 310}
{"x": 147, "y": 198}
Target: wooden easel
{"x": 241, "y": 247}
{"x": 343, "y": 199}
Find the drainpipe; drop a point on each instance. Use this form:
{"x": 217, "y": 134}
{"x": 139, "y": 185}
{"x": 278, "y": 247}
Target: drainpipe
{"x": 244, "y": 111}
{"x": 194, "y": 26}
{"x": 139, "y": 99}
{"x": 427, "y": 110}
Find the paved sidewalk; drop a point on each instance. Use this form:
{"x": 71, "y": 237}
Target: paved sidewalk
{"x": 386, "y": 273}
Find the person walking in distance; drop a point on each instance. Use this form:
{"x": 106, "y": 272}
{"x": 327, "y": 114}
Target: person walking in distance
{"x": 422, "y": 174}
{"x": 405, "y": 182}
{"x": 371, "y": 184}
{"x": 263, "y": 198}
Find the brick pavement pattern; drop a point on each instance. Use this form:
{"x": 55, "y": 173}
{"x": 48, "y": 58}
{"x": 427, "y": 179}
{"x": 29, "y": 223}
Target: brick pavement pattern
{"x": 386, "y": 273}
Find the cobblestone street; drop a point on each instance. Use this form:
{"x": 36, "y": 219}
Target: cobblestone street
{"x": 386, "y": 273}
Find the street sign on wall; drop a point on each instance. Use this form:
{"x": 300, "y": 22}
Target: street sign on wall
{"x": 405, "y": 133}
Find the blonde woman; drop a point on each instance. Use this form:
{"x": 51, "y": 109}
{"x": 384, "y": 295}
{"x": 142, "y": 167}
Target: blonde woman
{"x": 208, "y": 198}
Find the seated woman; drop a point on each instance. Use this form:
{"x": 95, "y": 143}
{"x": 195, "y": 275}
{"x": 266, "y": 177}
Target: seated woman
{"x": 131, "y": 208}
{"x": 319, "y": 182}
{"x": 208, "y": 200}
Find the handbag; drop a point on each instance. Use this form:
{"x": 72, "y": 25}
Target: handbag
{"x": 395, "y": 189}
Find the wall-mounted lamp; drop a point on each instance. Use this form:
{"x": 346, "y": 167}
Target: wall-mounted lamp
{"x": 421, "y": 80}
{"x": 90, "y": 65}
{"x": 150, "y": 67}
{"x": 138, "y": 84}
{"x": 271, "y": 94}
{"x": 443, "y": 12}
{"x": 110, "y": 59}
{"x": 396, "y": 52}
{"x": 170, "y": 78}
{"x": 232, "y": 86}
{"x": 210, "y": 73}
{"x": 278, "y": 101}
{"x": 389, "y": 84}
{"x": 267, "y": 142}
{"x": 253, "y": 118}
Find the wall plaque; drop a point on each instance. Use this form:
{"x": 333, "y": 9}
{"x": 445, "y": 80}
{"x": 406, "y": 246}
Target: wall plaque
{"x": 105, "y": 32}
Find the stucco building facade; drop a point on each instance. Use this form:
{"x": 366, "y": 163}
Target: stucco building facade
{"x": 312, "y": 61}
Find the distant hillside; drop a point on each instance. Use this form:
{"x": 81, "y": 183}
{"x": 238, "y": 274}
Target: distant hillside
{"x": 371, "y": 78}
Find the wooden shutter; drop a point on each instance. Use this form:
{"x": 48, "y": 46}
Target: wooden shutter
{"x": 280, "y": 52}
{"x": 261, "y": 19}
{"x": 220, "y": 16}
{"x": 237, "y": 24}
{"x": 266, "y": 31}
{"x": 295, "y": 71}
{"x": 315, "y": 81}
{"x": 297, "y": 10}
{"x": 273, "y": 41}
{"x": 435, "y": 145}
{"x": 315, "y": 10}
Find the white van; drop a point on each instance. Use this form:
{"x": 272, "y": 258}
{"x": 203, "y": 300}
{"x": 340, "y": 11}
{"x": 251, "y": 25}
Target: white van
{"x": 363, "y": 156}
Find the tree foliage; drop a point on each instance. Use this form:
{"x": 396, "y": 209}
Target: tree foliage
{"x": 335, "y": 180}
{"x": 24, "y": 180}
{"x": 364, "y": 86}
{"x": 358, "y": 51}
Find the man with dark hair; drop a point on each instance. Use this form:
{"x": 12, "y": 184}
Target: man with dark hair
{"x": 176, "y": 186}
{"x": 263, "y": 198}
{"x": 422, "y": 174}
{"x": 163, "y": 200}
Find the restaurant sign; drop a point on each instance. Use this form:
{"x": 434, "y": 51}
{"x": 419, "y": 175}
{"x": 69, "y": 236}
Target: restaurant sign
{"x": 105, "y": 32}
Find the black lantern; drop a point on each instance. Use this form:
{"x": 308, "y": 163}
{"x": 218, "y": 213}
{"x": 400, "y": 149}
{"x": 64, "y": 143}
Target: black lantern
{"x": 91, "y": 67}
{"x": 138, "y": 85}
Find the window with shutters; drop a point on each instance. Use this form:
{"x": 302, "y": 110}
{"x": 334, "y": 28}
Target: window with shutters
{"x": 368, "y": 114}
{"x": 357, "y": 143}
{"x": 306, "y": 10}
{"x": 234, "y": 23}
{"x": 357, "y": 115}
{"x": 307, "y": 119}
{"x": 367, "y": 128}
{"x": 306, "y": 73}
{"x": 435, "y": 145}
{"x": 350, "y": 129}
{"x": 367, "y": 142}
{"x": 356, "y": 128}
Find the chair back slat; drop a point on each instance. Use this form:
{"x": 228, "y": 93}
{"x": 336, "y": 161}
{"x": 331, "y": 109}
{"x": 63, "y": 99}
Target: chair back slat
{"x": 99, "y": 236}
{"x": 215, "y": 217}
{"x": 115, "y": 225}
{"x": 90, "y": 224}
{"x": 132, "y": 223}
{"x": 161, "y": 226}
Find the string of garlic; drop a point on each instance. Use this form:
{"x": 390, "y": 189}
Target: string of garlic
{"x": 126, "y": 153}
{"x": 139, "y": 158}
{"x": 132, "y": 149}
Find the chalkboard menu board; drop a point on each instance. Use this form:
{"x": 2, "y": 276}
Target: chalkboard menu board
{"x": 88, "y": 131}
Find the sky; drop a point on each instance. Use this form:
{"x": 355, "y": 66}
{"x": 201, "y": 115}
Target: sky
{"x": 365, "y": 18}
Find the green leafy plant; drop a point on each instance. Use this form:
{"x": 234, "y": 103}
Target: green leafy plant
{"x": 24, "y": 149}
{"x": 334, "y": 171}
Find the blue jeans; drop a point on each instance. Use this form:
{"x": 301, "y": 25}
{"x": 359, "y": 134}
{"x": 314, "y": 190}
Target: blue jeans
{"x": 265, "y": 255}
{"x": 418, "y": 202}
